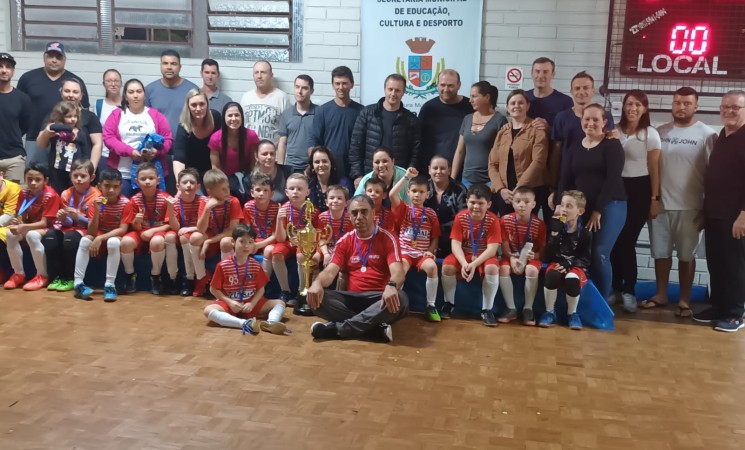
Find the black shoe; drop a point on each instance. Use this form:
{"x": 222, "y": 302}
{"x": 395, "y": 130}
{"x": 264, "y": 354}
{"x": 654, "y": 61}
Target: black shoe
{"x": 707, "y": 316}
{"x": 156, "y": 283}
{"x": 446, "y": 310}
{"x": 320, "y": 330}
{"x": 382, "y": 333}
{"x": 488, "y": 317}
{"x": 187, "y": 288}
{"x": 130, "y": 285}
{"x": 286, "y": 296}
{"x": 729, "y": 325}
{"x": 172, "y": 284}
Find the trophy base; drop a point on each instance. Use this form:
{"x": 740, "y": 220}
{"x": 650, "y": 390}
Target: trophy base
{"x": 302, "y": 308}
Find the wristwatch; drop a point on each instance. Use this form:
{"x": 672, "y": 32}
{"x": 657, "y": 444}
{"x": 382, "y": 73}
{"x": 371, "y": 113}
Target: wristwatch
{"x": 393, "y": 284}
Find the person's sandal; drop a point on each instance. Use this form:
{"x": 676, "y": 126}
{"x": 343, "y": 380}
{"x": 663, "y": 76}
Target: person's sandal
{"x": 651, "y": 303}
{"x": 683, "y": 312}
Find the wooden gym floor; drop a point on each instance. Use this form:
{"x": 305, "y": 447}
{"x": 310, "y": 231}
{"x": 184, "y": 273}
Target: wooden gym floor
{"x": 149, "y": 373}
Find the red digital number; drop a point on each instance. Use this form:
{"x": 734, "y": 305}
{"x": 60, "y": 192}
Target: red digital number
{"x": 684, "y": 39}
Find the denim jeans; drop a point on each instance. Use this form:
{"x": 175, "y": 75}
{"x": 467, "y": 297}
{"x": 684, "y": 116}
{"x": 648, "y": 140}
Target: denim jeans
{"x": 612, "y": 220}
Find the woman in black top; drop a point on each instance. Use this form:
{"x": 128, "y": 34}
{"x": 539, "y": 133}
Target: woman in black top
{"x": 322, "y": 173}
{"x": 594, "y": 166}
{"x": 197, "y": 123}
{"x": 447, "y": 198}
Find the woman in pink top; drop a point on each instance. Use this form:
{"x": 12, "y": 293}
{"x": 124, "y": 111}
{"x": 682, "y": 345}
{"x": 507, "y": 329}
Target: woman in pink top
{"x": 233, "y": 135}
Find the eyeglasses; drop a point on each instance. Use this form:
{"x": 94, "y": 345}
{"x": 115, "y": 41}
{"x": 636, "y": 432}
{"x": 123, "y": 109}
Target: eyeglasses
{"x": 112, "y": 81}
{"x": 733, "y": 108}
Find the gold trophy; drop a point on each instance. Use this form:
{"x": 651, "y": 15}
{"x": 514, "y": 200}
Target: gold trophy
{"x": 308, "y": 240}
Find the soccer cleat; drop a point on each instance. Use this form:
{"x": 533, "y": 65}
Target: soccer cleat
{"x": 130, "y": 285}
{"x": 432, "y": 314}
{"x": 188, "y": 287}
{"x": 273, "y": 327}
{"x": 507, "y": 316}
{"x": 320, "y": 330}
{"x": 729, "y": 325}
{"x": 54, "y": 285}
{"x": 547, "y": 319}
{"x": 36, "y": 283}
{"x": 156, "y": 285}
{"x": 66, "y": 286}
{"x": 109, "y": 294}
{"x": 528, "y": 317}
{"x": 446, "y": 310}
{"x": 200, "y": 285}
{"x": 574, "y": 322}
{"x": 15, "y": 280}
{"x": 83, "y": 292}
{"x": 250, "y": 326}
{"x": 488, "y": 317}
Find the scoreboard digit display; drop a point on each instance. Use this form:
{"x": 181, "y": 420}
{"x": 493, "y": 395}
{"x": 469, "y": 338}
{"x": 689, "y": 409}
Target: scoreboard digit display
{"x": 701, "y": 39}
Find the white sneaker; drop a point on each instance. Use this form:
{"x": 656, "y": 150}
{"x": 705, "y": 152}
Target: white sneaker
{"x": 629, "y": 303}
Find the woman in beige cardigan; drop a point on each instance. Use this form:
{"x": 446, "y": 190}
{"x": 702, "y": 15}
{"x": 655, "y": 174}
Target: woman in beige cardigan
{"x": 518, "y": 157}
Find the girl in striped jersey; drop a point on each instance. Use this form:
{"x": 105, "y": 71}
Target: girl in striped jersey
{"x": 186, "y": 209}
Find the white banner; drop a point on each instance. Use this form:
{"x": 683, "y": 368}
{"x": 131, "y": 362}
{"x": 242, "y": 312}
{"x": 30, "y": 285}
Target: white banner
{"x": 419, "y": 39}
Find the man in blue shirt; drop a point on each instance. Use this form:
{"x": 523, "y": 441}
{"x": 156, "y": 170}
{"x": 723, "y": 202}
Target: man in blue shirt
{"x": 545, "y": 101}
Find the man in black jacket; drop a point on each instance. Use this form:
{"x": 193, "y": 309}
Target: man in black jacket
{"x": 385, "y": 124}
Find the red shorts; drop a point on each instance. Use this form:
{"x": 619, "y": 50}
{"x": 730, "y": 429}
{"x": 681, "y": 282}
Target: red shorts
{"x": 416, "y": 261}
{"x": 254, "y": 312}
{"x": 533, "y": 262}
{"x": 141, "y": 244}
{"x": 285, "y": 249}
{"x": 451, "y": 260}
{"x": 581, "y": 274}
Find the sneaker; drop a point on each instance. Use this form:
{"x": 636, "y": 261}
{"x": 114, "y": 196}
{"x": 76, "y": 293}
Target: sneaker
{"x": 528, "y": 317}
{"x": 83, "y": 292}
{"x": 446, "y": 310}
{"x": 432, "y": 314}
{"x": 54, "y": 285}
{"x": 156, "y": 285}
{"x": 171, "y": 285}
{"x": 15, "y": 280}
{"x": 200, "y": 285}
{"x": 708, "y": 316}
{"x": 507, "y": 316}
{"x": 273, "y": 327}
{"x": 130, "y": 285}
{"x": 109, "y": 294}
{"x": 187, "y": 288}
{"x": 36, "y": 283}
{"x": 286, "y": 296}
{"x": 320, "y": 330}
{"x": 614, "y": 298}
{"x": 66, "y": 286}
{"x": 488, "y": 317}
{"x": 547, "y": 319}
{"x": 730, "y": 325}
{"x": 629, "y": 302}
{"x": 382, "y": 333}
{"x": 250, "y": 327}
{"x": 574, "y": 322}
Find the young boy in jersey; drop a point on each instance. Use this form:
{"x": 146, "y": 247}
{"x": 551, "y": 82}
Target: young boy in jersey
{"x": 337, "y": 218}
{"x": 186, "y": 211}
{"x": 35, "y": 212}
{"x": 219, "y": 214}
{"x": 9, "y": 191}
{"x": 293, "y": 211}
{"x": 419, "y": 234}
{"x": 149, "y": 217}
{"x": 105, "y": 230}
{"x": 384, "y": 218}
{"x": 475, "y": 237}
{"x": 568, "y": 254}
{"x": 261, "y": 213}
{"x": 62, "y": 241}
{"x": 518, "y": 229}
{"x": 238, "y": 287}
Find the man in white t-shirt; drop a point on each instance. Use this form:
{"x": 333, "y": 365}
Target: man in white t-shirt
{"x": 264, "y": 105}
{"x": 686, "y": 146}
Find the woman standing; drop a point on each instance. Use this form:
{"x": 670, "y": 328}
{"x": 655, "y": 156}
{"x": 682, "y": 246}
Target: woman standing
{"x": 125, "y": 130}
{"x": 447, "y": 198}
{"x": 233, "y": 145}
{"x": 112, "y": 84}
{"x": 594, "y": 166}
{"x": 519, "y": 156}
{"x": 322, "y": 173}
{"x": 477, "y": 135}
{"x": 641, "y": 179}
{"x": 197, "y": 123}
{"x": 266, "y": 163}
{"x": 385, "y": 168}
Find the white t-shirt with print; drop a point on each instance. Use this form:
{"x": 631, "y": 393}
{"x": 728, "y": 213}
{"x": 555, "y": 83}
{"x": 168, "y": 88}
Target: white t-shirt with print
{"x": 262, "y": 114}
{"x": 132, "y": 130}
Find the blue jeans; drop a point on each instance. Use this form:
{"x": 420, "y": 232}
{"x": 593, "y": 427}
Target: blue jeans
{"x": 612, "y": 220}
{"x": 467, "y": 183}
{"x": 127, "y": 190}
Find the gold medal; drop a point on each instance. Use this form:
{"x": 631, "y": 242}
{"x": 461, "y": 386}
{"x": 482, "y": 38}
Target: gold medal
{"x": 20, "y": 218}
{"x": 105, "y": 200}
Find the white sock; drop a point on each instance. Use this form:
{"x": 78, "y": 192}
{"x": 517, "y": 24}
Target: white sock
{"x": 490, "y": 287}
{"x": 199, "y": 270}
{"x": 157, "y": 259}
{"x": 300, "y": 277}
{"x": 448, "y": 288}
{"x": 82, "y": 259}
{"x": 280, "y": 269}
{"x": 431, "y": 288}
{"x": 508, "y": 291}
{"x": 188, "y": 260}
{"x": 550, "y": 297}
{"x": 172, "y": 260}
{"x": 128, "y": 259}
{"x": 266, "y": 264}
{"x": 224, "y": 319}
{"x": 15, "y": 252}
{"x": 33, "y": 238}
{"x": 572, "y": 303}
{"x": 112, "y": 261}
{"x": 275, "y": 315}
{"x": 531, "y": 288}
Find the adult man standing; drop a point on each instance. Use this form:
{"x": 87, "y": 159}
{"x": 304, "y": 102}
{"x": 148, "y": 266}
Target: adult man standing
{"x": 296, "y": 125}
{"x": 388, "y": 124}
{"x": 724, "y": 218}
{"x": 370, "y": 257}
{"x": 334, "y": 121}
{"x": 686, "y": 146}
{"x": 15, "y": 112}
{"x": 441, "y": 117}
{"x": 43, "y": 86}
{"x": 210, "y": 85}
{"x": 168, "y": 94}
{"x": 545, "y": 101}
{"x": 264, "y": 105}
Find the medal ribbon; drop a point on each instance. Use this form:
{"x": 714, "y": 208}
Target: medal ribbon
{"x": 363, "y": 259}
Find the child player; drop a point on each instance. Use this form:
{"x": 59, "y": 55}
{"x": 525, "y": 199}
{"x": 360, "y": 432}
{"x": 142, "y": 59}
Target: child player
{"x": 261, "y": 213}
{"x": 523, "y": 232}
{"x": 568, "y": 254}
{"x": 62, "y": 241}
{"x": 419, "y": 233}
{"x": 186, "y": 211}
{"x": 149, "y": 216}
{"x": 219, "y": 214}
{"x": 336, "y": 217}
{"x": 293, "y": 212}
{"x": 238, "y": 287}
{"x": 384, "y": 218}
{"x": 105, "y": 230}
{"x": 9, "y": 191}
{"x": 475, "y": 237}
{"x": 35, "y": 212}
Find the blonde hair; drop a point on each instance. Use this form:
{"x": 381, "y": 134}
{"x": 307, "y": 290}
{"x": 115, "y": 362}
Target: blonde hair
{"x": 213, "y": 178}
{"x": 185, "y": 118}
{"x": 578, "y": 196}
